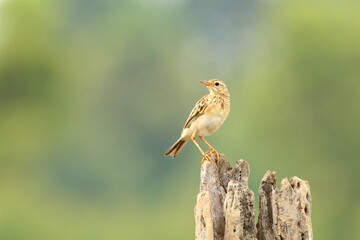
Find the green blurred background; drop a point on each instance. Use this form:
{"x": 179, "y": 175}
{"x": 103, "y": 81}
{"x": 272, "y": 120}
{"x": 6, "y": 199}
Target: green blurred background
{"x": 92, "y": 92}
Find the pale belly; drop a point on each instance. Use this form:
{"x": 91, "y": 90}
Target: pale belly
{"x": 207, "y": 125}
{"x": 204, "y": 126}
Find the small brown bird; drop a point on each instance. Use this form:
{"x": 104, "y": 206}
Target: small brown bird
{"x": 207, "y": 116}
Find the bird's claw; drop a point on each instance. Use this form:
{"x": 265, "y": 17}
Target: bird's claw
{"x": 212, "y": 150}
{"x": 207, "y": 157}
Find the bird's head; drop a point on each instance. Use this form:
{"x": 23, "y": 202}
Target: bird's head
{"x": 216, "y": 86}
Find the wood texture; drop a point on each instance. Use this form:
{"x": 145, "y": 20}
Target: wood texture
{"x": 209, "y": 214}
{"x": 239, "y": 204}
{"x": 285, "y": 213}
{"x": 225, "y": 207}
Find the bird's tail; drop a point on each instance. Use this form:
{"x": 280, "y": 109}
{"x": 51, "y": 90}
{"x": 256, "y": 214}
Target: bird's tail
{"x": 175, "y": 149}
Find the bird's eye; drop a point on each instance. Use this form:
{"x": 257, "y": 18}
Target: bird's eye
{"x": 217, "y": 84}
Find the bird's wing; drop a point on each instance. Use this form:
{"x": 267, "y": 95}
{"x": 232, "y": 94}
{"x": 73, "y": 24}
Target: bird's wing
{"x": 197, "y": 111}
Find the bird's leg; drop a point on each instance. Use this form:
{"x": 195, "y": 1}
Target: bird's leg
{"x": 205, "y": 156}
{"x": 212, "y": 150}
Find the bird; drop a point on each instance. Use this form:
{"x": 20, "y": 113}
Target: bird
{"x": 207, "y": 116}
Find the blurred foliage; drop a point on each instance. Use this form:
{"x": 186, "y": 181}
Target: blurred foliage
{"x": 93, "y": 92}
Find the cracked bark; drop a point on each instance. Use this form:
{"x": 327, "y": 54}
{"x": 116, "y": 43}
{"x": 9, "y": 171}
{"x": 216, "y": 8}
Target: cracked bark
{"x": 225, "y": 205}
{"x": 285, "y": 213}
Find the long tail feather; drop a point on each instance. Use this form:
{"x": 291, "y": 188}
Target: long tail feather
{"x": 175, "y": 149}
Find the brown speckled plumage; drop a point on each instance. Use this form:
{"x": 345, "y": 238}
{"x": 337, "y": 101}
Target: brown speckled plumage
{"x": 206, "y": 117}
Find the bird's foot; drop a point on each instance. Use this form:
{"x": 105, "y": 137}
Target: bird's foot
{"x": 213, "y": 150}
{"x": 208, "y": 157}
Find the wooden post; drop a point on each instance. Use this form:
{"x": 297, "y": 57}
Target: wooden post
{"x": 239, "y": 205}
{"x": 209, "y": 214}
{"x": 285, "y": 213}
{"x": 225, "y": 207}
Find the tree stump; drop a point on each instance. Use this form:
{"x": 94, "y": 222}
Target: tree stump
{"x": 225, "y": 207}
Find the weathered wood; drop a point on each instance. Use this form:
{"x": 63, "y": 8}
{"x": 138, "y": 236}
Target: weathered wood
{"x": 239, "y": 204}
{"x": 225, "y": 205}
{"x": 294, "y": 209}
{"x": 209, "y": 214}
{"x": 285, "y": 213}
{"x": 267, "y": 220}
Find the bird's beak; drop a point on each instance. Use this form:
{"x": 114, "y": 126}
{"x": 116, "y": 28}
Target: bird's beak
{"x": 206, "y": 83}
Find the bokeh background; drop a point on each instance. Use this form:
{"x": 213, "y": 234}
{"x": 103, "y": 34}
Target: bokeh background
{"x": 92, "y": 92}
